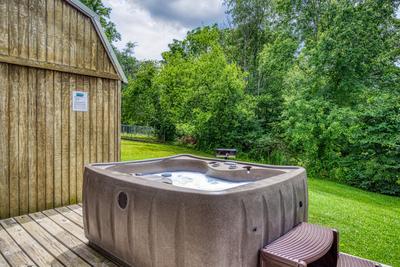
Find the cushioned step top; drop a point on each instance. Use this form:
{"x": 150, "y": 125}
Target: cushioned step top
{"x": 346, "y": 260}
{"x": 304, "y": 244}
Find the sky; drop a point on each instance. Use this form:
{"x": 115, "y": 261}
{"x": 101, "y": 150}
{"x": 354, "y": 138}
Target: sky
{"x": 153, "y": 24}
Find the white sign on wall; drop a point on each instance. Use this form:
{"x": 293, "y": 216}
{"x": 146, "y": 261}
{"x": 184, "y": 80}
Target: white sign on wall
{"x": 80, "y": 101}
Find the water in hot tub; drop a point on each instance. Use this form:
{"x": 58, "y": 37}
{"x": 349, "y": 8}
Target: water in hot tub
{"x": 197, "y": 180}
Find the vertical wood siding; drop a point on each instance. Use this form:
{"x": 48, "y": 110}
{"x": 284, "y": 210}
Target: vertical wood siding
{"x": 53, "y": 32}
{"x": 44, "y": 144}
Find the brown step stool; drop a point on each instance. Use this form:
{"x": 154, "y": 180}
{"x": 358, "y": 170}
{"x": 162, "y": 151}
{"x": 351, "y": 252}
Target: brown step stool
{"x": 346, "y": 260}
{"x": 306, "y": 245}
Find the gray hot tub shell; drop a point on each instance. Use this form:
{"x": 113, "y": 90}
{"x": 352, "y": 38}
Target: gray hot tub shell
{"x": 162, "y": 224}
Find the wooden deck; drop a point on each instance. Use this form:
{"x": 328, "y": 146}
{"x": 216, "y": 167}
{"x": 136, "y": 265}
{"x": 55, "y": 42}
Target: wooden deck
{"x": 50, "y": 238}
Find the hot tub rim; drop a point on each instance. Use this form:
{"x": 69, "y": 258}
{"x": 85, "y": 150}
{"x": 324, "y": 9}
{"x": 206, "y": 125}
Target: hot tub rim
{"x": 138, "y": 181}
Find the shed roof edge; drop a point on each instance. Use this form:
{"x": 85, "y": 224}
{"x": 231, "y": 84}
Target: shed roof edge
{"x": 99, "y": 29}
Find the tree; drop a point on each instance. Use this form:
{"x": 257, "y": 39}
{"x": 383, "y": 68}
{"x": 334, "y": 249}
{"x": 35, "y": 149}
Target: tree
{"x": 252, "y": 23}
{"x": 202, "y": 94}
{"x": 138, "y": 96}
{"x": 276, "y": 59}
{"x": 345, "y": 80}
{"x": 127, "y": 60}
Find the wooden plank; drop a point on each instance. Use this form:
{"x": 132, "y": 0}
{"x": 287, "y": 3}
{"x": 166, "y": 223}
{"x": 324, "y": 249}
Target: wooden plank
{"x": 33, "y": 34}
{"x": 79, "y": 145}
{"x": 69, "y": 226}
{"x": 4, "y": 152}
{"x": 86, "y": 138}
{"x": 99, "y": 123}
{"x": 32, "y": 140}
{"x": 29, "y": 245}
{"x": 93, "y": 119}
{"x": 72, "y": 145}
{"x": 100, "y": 56}
{"x": 23, "y": 142}
{"x": 94, "y": 39}
{"x": 70, "y": 241}
{"x": 65, "y": 107}
{"x": 80, "y": 55}
{"x": 13, "y": 27}
{"x": 4, "y": 27}
{"x": 51, "y": 30}
{"x": 23, "y": 30}
{"x": 57, "y": 139}
{"x": 49, "y": 139}
{"x": 73, "y": 40}
{"x": 56, "y": 67}
{"x": 86, "y": 124}
{"x": 58, "y": 31}
{"x": 41, "y": 31}
{"x": 3, "y": 261}
{"x": 106, "y": 117}
{"x": 50, "y": 243}
{"x": 87, "y": 43}
{"x": 65, "y": 33}
{"x": 4, "y": 125}
{"x": 13, "y": 137}
{"x": 106, "y": 62}
{"x": 112, "y": 116}
{"x": 76, "y": 208}
{"x": 70, "y": 215}
{"x": 117, "y": 122}
{"x": 41, "y": 142}
{"x": 11, "y": 251}
{"x": 112, "y": 68}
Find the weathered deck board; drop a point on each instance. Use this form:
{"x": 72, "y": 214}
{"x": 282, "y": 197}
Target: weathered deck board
{"x": 76, "y": 208}
{"x": 12, "y": 253}
{"x": 3, "y": 261}
{"x": 50, "y": 238}
{"x": 29, "y": 245}
{"x": 50, "y": 243}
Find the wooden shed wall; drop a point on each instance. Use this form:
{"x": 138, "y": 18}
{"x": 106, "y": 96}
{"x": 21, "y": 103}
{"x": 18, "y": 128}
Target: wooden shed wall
{"x": 44, "y": 144}
{"x": 52, "y": 34}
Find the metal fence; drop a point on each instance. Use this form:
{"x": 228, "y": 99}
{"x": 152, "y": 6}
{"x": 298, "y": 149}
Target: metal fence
{"x": 137, "y": 131}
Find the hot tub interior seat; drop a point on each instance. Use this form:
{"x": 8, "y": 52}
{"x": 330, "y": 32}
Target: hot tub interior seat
{"x": 194, "y": 180}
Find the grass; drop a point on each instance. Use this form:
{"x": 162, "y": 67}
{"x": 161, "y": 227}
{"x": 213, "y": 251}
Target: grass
{"x": 368, "y": 223}
{"x": 132, "y": 150}
{"x": 138, "y": 137}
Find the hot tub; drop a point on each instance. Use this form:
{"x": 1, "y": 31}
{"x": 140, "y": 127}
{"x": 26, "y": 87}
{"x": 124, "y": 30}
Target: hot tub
{"x": 190, "y": 211}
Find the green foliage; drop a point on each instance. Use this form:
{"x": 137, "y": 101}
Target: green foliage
{"x": 327, "y": 78}
{"x": 252, "y": 20}
{"x": 138, "y": 96}
{"x": 344, "y": 82}
{"x": 127, "y": 60}
{"x": 313, "y": 83}
{"x": 276, "y": 59}
{"x": 376, "y": 146}
{"x": 201, "y": 94}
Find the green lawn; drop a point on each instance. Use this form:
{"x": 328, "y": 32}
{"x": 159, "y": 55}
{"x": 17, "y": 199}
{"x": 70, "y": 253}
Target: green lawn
{"x": 368, "y": 223}
{"x": 131, "y": 150}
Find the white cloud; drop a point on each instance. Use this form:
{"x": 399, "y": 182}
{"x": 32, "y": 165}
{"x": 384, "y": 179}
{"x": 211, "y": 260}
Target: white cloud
{"x": 153, "y": 24}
